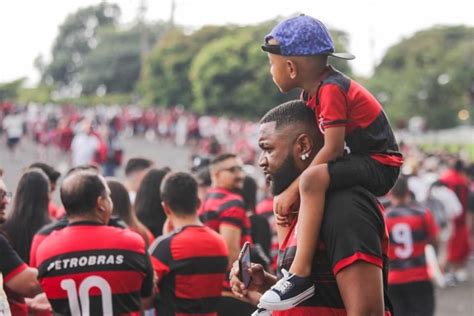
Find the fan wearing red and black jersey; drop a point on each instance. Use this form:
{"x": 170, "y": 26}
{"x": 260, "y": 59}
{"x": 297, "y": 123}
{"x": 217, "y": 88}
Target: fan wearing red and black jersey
{"x": 411, "y": 228}
{"x": 191, "y": 262}
{"x": 223, "y": 210}
{"x": 89, "y": 267}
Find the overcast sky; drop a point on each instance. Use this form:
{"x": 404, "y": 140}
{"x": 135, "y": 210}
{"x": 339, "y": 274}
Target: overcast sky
{"x": 29, "y": 27}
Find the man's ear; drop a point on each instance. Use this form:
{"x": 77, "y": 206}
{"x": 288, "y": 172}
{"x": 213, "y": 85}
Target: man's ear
{"x": 100, "y": 203}
{"x": 198, "y": 203}
{"x": 304, "y": 144}
{"x": 292, "y": 69}
{"x": 166, "y": 209}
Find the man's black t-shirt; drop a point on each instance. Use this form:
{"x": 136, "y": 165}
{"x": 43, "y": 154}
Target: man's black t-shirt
{"x": 353, "y": 229}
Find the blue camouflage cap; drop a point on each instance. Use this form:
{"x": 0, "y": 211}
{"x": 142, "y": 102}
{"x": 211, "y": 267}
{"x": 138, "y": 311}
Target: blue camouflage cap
{"x": 302, "y": 36}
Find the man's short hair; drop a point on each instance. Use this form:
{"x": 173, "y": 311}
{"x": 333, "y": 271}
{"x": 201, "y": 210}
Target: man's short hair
{"x": 400, "y": 189}
{"x": 80, "y": 190}
{"x": 294, "y": 111}
{"x": 85, "y": 167}
{"x": 222, "y": 157}
{"x": 180, "y": 191}
{"x": 53, "y": 174}
{"x": 203, "y": 177}
{"x": 137, "y": 164}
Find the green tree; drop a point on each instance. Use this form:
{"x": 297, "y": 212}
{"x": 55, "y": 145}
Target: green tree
{"x": 9, "y": 90}
{"x": 165, "y": 74}
{"x": 77, "y": 37}
{"x": 430, "y": 74}
{"x": 115, "y": 63}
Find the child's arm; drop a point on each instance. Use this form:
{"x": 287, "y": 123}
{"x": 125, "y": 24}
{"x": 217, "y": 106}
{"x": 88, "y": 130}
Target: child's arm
{"x": 333, "y": 147}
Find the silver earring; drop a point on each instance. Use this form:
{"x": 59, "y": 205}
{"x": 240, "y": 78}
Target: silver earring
{"x": 304, "y": 156}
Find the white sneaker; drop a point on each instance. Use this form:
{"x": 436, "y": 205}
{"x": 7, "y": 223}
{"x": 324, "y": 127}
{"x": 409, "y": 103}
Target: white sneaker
{"x": 288, "y": 292}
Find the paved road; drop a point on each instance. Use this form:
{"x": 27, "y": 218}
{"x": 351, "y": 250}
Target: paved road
{"x": 453, "y": 301}
{"x": 162, "y": 153}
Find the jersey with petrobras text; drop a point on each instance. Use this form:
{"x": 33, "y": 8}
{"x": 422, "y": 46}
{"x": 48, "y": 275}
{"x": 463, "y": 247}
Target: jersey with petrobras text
{"x": 94, "y": 268}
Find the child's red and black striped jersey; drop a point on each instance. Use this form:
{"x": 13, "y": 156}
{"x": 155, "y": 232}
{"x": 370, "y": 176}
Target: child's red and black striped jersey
{"x": 352, "y": 230}
{"x": 340, "y": 101}
{"x": 411, "y": 228}
{"x": 191, "y": 266}
{"x": 89, "y": 266}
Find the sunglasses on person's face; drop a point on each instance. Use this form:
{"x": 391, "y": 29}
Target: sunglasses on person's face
{"x": 4, "y": 194}
{"x": 233, "y": 169}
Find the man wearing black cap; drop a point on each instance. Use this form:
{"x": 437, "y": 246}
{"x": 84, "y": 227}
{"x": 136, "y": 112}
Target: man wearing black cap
{"x": 359, "y": 145}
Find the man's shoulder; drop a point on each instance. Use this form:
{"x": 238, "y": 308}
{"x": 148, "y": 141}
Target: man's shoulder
{"x": 186, "y": 235}
{"x": 224, "y": 199}
{"x": 124, "y": 238}
{"x": 53, "y": 226}
{"x": 405, "y": 210}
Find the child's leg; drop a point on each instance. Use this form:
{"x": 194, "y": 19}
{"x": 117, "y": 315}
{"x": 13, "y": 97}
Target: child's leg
{"x": 314, "y": 182}
{"x": 296, "y": 285}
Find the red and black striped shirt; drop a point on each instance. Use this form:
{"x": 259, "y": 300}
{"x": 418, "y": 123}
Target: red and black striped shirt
{"x": 411, "y": 228}
{"x": 340, "y": 101}
{"x": 10, "y": 266}
{"x": 352, "y": 230}
{"x": 191, "y": 264}
{"x": 224, "y": 207}
{"x": 90, "y": 266}
{"x": 265, "y": 208}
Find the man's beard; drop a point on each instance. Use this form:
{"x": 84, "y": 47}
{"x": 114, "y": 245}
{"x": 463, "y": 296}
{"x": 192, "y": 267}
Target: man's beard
{"x": 285, "y": 175}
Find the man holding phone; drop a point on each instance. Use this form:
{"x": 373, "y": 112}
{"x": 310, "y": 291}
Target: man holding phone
{"x": 350, "y": 264}
{"x": 245, "y": 264}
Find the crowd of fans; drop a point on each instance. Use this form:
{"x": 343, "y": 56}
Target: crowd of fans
{"x": 85, "y": 135}
{"x": 163, "y": 240}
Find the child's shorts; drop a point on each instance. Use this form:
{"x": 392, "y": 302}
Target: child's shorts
{"x": 352, "y": 170}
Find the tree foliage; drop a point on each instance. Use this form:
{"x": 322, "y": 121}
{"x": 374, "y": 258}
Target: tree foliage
{"x": 115, "y": 64}
{"x": 430, "y": 74}
{"x": 77, "y": 37}
{"x": 165, "y": 75}
{"x": 9, "y": 90}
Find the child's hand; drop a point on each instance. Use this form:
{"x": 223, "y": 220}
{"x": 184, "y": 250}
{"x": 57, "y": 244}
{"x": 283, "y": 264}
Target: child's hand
{"x": 287, "y": 202}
